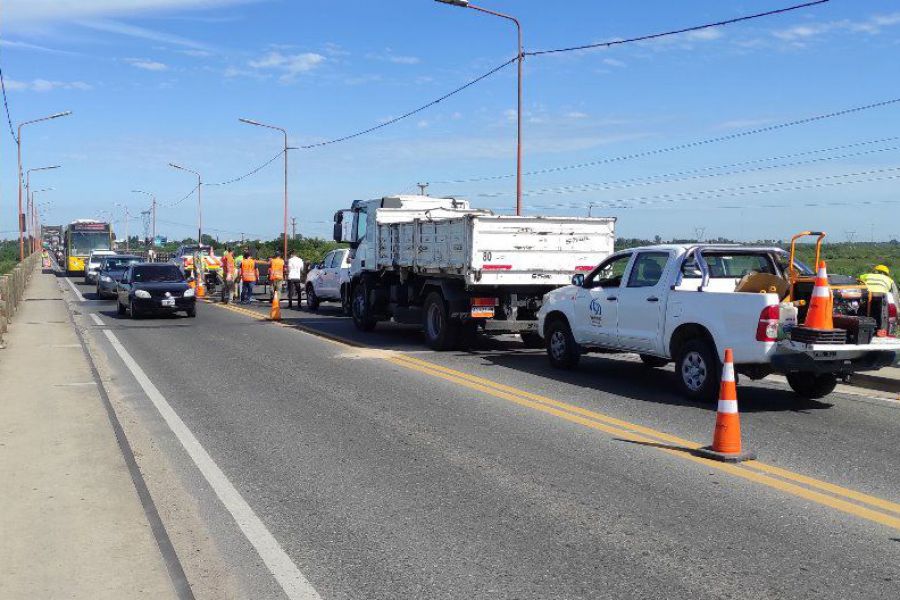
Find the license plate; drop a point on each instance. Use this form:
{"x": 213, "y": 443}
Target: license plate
{"x": 482, "y": 312}
{"x": 168, "y": 301}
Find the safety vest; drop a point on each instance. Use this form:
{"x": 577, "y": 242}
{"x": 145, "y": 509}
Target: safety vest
{"x": 228, "y": 262}
{"x": 248, "y": 270}
{"x": 877, "y": 282}
{"x": 276, "y": 269}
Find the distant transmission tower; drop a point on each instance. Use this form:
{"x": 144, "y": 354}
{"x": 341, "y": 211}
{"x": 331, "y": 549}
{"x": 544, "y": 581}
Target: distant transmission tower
{"x": 850, "y": 235}
{"x": 145, "y": 221}
{"x": 699, "y": 232}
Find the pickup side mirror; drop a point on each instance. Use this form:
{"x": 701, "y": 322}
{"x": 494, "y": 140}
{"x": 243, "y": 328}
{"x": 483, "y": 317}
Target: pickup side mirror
{"x": 578, "y": 279}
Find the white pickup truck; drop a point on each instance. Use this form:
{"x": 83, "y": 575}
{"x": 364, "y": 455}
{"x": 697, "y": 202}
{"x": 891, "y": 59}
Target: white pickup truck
{"x": 679, "y": 303}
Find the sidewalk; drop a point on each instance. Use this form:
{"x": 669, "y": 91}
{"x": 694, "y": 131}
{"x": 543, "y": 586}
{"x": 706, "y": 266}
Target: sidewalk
{"x": 71, "y": 521}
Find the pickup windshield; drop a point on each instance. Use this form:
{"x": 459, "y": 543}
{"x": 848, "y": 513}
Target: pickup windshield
{"x": 729, "y": 265}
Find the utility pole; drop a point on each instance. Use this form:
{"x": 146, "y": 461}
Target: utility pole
{"x": 422, "y": 188}
{"x": 294, "y": 228}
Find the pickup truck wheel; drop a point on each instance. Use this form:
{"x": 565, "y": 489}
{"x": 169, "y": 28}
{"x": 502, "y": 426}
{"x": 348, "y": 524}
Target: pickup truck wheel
{"x": 562, "y": 349}
{"x": 532, "y": 339}
{"x": 697, "y": 371}
{"x": 345, "y": 300}
{"x": 312, "y": 301}
{"x": 362, "y": 311}
{"x": 653, "y": 362}
{"x": 812, "y": 386}
{"x": 441, "y": 333}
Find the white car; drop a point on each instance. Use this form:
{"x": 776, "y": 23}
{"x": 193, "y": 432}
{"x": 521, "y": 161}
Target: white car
{"x": 330, "y": 280}
{"x": 687, "y": 304}
{"x": 92, "y": 266}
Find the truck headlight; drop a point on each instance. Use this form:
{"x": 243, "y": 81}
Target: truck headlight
{"x": 189, "y": 293}
{"x": 141, "y": 294}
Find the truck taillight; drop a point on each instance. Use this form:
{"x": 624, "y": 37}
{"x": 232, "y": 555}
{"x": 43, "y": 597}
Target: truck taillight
{"x": 767, "y": 328}
{"x": 484, "y": 302}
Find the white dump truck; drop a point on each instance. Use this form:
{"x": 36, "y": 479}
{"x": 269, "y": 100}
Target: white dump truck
{"x": 455, "y": 270}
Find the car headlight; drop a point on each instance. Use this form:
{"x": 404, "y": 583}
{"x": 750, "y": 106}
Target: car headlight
{"x": 106, "y": 278}
{"x": 189, "y": 293}
{"x": 141, "y": 294}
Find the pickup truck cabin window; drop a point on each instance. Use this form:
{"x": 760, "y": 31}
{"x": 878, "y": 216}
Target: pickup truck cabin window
{"x": 609, "y": 274}
{"x": 724, "y": 265}
{"x": 648, "y": 269}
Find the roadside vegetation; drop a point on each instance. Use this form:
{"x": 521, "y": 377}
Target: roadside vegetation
{"x": 9, "y": 255}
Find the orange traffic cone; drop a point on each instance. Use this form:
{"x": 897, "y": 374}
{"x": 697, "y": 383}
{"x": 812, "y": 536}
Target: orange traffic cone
{"x": 201, "y": 290}
{"x": 821, "y": 305}
{"x": 275, "y": 314}
{"x": 726, "y": 444}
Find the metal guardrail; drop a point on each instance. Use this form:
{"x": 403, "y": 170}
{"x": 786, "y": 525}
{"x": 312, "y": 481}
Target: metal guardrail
{"x": 12, "y": 290}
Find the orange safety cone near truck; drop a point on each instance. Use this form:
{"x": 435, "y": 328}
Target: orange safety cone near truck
{"x": 821, "y": 305}
{"x": 726, "y": 444}
{"x": 275, "y": 313}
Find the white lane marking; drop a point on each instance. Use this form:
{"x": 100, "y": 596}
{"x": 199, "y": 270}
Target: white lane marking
{"x": 96, "y": 319}
{"x": 286, "y": 573}
{"x": 75, "y": 289}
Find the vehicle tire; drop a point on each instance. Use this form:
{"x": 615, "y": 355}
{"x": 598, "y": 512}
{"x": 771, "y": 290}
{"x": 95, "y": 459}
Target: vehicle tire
{"x": 192, "y": 312}
{"x": 312, "y": 300}
{"x": 532, "y": 340}
{"x": 135, "y": 314}
{"x": 345, "y": 301}
{"x": 441, "y": 333}
{"x": 562, "y": 349}
{"x": 697, "y": 370}
{"x": 362, "y": 311}
{"x": 812, "y": 386}
{"x": 99, "y": 295}
{"x": 653, "y": 362}
{"x": 120, "y": 308}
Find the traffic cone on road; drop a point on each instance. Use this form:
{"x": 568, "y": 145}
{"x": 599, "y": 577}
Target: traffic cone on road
{"x": 821, "y": 305}
{"x": 726, "y": 444}
{"x": 201, "y": 290}
{"x": 275, "y": 313}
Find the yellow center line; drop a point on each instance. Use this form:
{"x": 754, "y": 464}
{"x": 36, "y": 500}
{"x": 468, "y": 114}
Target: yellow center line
{"x": 756, "y": 471}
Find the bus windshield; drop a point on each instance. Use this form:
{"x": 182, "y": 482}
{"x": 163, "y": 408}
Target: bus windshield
{"x": 82, "y": 242}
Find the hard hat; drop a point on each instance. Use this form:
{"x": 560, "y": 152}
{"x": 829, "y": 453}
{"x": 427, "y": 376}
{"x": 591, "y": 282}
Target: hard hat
{"x": 882, "y": 269}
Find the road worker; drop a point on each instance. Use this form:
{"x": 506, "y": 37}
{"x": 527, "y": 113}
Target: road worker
{"x": 249, "y": 277}
{"x": 879, "y": 281}
{"x": 238, "y": 284}
{"x": 228, "y": 275}
{"x": 295, "y": 278}
{"x": 276, "y": 273}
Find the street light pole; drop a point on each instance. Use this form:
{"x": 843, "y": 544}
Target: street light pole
{"x": 19, "y": 174}
{"x": 520, "y": 56}
{"x": 152, "y": 214}
{"x": 286, "y": 148}
{"x": 199, "y": 203}
{"x": 32, "y": 215}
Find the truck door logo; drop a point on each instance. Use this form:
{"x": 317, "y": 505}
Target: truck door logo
{"x": 596, "y": 312}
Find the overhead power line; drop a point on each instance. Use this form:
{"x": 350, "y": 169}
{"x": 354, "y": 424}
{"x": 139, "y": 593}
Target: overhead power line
{"x": 662, "y": 34}
{"x": 12, "y": 130}
{"x": 685, "y": 146}
{"x": 888, "y": 173}
{"x": 704, "y": 172}
{"x": 226, "y": 182}
{"x": 414, "y": 111}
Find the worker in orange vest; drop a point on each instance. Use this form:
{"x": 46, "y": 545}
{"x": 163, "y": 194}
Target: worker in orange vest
{"x": 229, "y": 273}
{"x": 276, "y": 273}
{"x": 249, "y": 276}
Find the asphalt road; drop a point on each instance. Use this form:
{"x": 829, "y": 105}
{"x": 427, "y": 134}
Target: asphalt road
{"x": 389, "y": 471}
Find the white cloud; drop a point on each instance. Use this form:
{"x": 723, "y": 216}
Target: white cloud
{"x": 289, "y": 65}
{"x": 45, "y": 85}
{"x": 141, "y": 33}
{"x": 196, "y": 53}
{"x": 35, "y": 47}
{"x": 871, "y": 26}
{"x": 64, "y": 10}
{"x": 397, "y": 59}
{"x": 147, "y": 65}
{"x": 612, "y": 62}
{"x": 577, "y": 115}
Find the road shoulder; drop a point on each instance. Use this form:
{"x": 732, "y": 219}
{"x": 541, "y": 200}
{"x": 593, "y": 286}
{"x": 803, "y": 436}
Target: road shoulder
{"x": 73, "y": 523}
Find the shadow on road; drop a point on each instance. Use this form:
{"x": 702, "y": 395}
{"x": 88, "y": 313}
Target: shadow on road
{"x": 639, "y": 382}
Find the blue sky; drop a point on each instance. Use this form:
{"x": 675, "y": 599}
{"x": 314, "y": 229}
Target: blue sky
{"x": 158, "y": 81}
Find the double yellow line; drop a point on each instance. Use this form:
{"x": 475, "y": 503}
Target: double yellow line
{"x": 865, "y": 506}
